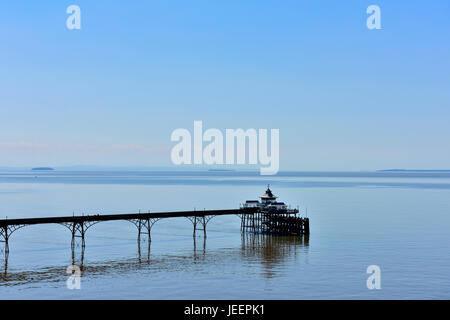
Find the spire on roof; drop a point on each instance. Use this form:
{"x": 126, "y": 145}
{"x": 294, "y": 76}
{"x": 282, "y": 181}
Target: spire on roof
{"x": 268, "y": 195}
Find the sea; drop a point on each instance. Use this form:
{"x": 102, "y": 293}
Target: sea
{"x": 396, "y": 223}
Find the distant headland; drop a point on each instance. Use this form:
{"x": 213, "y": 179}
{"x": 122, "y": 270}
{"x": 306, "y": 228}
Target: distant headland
{"x": 42, "y": 169}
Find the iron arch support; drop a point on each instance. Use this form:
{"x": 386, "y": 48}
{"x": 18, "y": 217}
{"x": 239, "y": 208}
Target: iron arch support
{"x": 5, "y": 233}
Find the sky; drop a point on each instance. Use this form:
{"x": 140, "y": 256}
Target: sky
{"x": 110, "y": 94}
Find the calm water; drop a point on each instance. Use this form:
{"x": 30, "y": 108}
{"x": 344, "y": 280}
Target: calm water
{"x": 398, "y": 221}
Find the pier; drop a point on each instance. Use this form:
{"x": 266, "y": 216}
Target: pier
{"x": 267, "y": 216}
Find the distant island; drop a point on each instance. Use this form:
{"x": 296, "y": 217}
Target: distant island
{"x": 42, "y": 169}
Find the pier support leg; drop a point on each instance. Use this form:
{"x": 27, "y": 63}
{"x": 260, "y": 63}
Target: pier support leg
{"x": 203, "y": 220}
{"x": 147, "y": 256}
{"x": 74, "y": 256}
{"x": 4, "y": 237}
{"x": 139, "y": 226}
{"x": 204, "y": 227}
{"x": 5, "y": 233}
{"x": 83, "y": 243}
{"x": 148, "y": 226}
{"x": 306, "y": 226}
{"x": 203, "y": 248}
{"x": 78, "y": 230}
{"x": 195, "y": 227}
{"x": 144, "y": 226}
{"x": 5, "y": 267}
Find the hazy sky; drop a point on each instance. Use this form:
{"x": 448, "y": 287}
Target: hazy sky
{"x": 344, "y": 97}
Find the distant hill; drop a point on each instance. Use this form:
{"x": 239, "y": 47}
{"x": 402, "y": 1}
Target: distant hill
{"x": 42, "y": 169}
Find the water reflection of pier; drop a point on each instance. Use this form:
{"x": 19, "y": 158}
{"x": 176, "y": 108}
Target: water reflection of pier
{"x": 272, "y": 251}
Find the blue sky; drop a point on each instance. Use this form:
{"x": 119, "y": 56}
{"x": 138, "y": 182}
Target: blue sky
{"x": 344, "y": 97}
